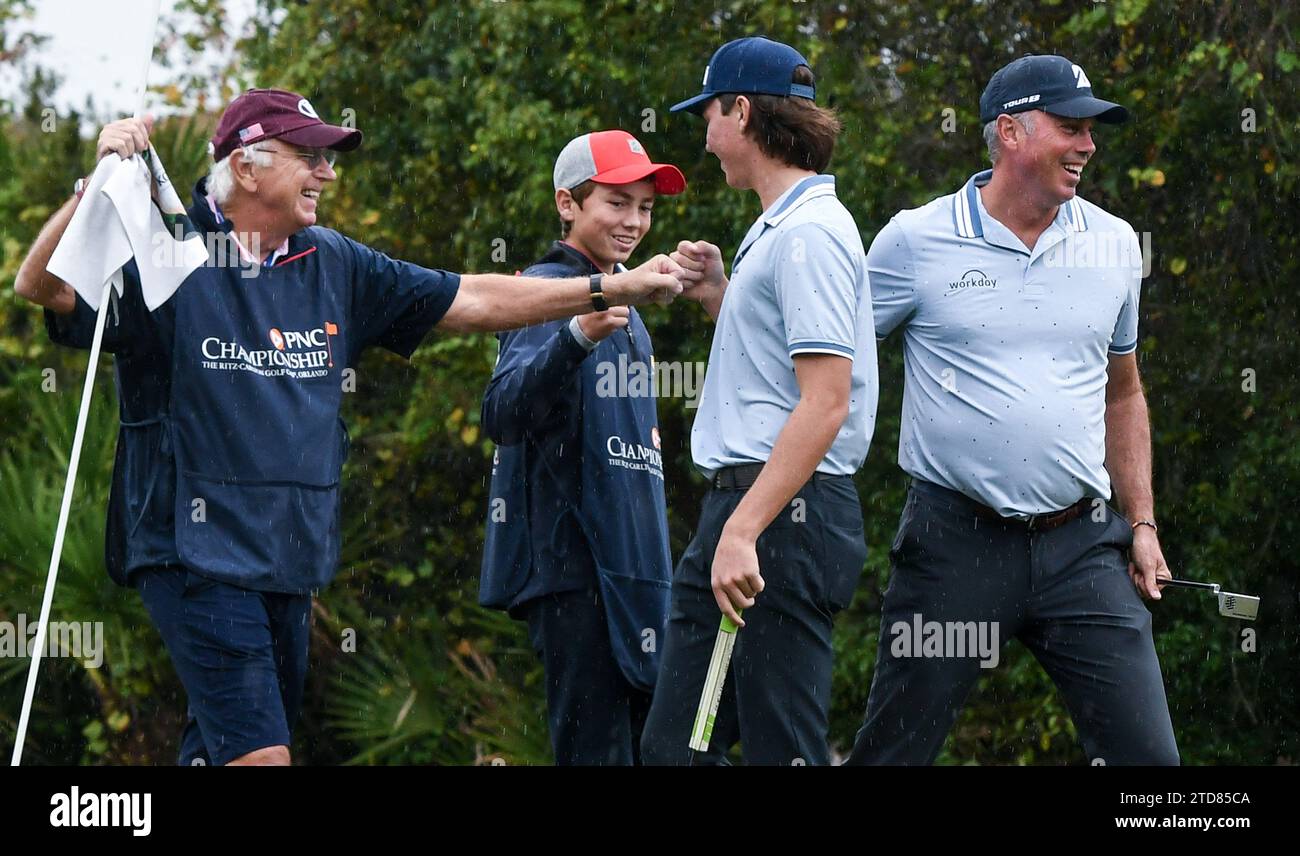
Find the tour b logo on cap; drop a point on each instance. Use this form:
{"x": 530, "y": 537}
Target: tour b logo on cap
{"x": 305, "y": 108}
{"x": 635, "y": 146}
{"x": 1050, "y": 83}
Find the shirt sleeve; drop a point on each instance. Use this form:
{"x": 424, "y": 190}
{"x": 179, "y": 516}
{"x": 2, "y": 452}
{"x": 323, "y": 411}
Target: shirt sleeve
{"x": 817, "y": 278}
{"x": 892, "y": 274}
{"x": 536, "y": 370}
{"x": 395, "y": 303}
{"x": 1124, "y": 338}
{"x": 129, "y": 328}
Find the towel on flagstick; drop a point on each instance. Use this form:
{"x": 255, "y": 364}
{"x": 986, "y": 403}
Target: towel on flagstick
{"x": 129, "y": 210}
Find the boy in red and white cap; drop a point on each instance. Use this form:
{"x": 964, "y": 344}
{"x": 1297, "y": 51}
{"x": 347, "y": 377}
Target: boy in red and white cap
{"x": 577, "y": 535}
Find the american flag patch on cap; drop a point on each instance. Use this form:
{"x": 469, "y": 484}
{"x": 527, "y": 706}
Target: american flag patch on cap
{"x": 254, "y": 130}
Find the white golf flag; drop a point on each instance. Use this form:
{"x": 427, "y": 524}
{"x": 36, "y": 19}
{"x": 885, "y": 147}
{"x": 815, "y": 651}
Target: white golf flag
{"x": 129, "y": 210}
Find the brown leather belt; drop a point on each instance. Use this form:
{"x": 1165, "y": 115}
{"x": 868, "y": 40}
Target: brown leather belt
{"x": 742, "y": 477}
{"x": 1038, "y": 522}
{"x": 963, "y": 504}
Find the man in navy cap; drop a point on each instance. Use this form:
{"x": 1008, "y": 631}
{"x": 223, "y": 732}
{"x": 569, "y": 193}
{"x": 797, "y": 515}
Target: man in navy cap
{"x": 785, "y": 419}
{"x": 1023, "y": 415}
{"x": 224, "y": 512}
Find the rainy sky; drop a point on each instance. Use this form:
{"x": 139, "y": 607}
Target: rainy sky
{"x": 99, "y": 48}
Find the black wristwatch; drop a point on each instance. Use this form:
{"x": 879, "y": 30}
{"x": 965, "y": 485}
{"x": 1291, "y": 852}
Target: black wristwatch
{"x": 597, "y": 296}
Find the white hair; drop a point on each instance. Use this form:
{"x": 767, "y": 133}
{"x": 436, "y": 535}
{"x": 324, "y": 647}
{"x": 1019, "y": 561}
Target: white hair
{"x": 1026, "y": 121}
{"x": 221, "y": 178}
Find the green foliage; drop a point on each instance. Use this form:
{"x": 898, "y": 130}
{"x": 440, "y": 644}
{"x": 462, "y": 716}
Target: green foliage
{"x": 112, "y": 700}
{"x": 464, "y": 107}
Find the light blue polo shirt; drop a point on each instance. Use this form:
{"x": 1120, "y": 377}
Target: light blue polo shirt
{"x": 1006, "y": 348}
{"x": 798, "y": 286}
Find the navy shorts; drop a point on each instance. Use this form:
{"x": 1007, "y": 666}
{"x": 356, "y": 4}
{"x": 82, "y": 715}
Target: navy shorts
{"x": 240, "y": 654}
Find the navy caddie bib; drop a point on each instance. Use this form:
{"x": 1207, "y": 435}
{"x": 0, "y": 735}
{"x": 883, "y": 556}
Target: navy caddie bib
{"x": 257, "y": 386}
{"x": 623, "y": 502}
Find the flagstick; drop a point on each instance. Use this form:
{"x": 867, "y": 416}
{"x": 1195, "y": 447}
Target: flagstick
{"x": 65, "y": 508}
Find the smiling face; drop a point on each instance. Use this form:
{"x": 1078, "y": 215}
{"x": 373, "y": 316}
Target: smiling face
{"x": 1049, "y": 162}
{"x": 610, "y": 223}
{"x": 287, "y": 191}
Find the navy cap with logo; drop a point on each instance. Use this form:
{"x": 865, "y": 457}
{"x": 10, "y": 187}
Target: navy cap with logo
{"x": 1049, "y": 83}
{"x": 264, "y": 114}
{"x": 750, "y": 66}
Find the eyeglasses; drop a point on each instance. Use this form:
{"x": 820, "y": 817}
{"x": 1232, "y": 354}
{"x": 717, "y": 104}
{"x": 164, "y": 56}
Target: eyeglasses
{"x": 313, "y": 156}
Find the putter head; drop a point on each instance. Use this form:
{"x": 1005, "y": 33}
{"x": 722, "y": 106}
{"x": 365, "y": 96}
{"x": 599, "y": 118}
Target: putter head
{"x": 1241, "y": 606}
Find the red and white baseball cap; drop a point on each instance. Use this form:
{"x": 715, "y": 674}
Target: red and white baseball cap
{"x": 263, "y": 114}
{"x": 613, "y": 157}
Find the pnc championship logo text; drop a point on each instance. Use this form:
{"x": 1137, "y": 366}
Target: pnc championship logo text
{"x": 634, "y": 456}
{"x": 293, "y": 353}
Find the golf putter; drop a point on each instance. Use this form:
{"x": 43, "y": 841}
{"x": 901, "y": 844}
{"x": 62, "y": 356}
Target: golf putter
{"x": 713, "y": 681}
{"x": 1243, "y": 606}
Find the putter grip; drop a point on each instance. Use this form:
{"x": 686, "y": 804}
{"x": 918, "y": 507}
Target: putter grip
{"x": 1214, "y": 587}
{"x": 702, "y": 731}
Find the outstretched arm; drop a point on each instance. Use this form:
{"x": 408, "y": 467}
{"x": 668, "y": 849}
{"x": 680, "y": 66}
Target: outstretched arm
{"x": 495, "y": 302}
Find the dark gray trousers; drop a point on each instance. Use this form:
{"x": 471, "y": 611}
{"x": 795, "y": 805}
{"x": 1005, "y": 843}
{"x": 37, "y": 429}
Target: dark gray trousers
{"x": 777, "y": 694}
{"x": 1064, "y": 593}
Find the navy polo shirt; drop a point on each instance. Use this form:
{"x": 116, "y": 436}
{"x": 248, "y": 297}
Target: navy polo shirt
{"x": 231, "y": 446}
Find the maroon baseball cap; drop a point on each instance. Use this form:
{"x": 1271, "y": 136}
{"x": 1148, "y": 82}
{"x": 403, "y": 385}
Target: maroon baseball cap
{"x": 264, "y": 114}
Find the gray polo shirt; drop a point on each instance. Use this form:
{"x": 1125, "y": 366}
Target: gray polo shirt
{"x": 1006, "y": 348}
{"x": 798, "y": 286}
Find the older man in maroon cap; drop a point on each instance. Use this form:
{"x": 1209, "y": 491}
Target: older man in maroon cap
{"x": 224, "y": 511}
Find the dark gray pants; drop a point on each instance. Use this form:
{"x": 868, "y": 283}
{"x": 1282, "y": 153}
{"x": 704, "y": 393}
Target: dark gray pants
{"x": 595, "y": 715}
{"x": 778, "y": 690}
{"x": 1064, "y": 593}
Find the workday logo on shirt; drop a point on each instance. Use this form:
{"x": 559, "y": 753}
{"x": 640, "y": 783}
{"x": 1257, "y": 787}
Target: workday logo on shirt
{"x": 971, "y": 280}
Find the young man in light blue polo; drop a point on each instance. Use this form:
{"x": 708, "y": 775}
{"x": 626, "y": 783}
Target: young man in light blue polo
{"x": 785, "y": 419}
{"x": 1022, "y": 415}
